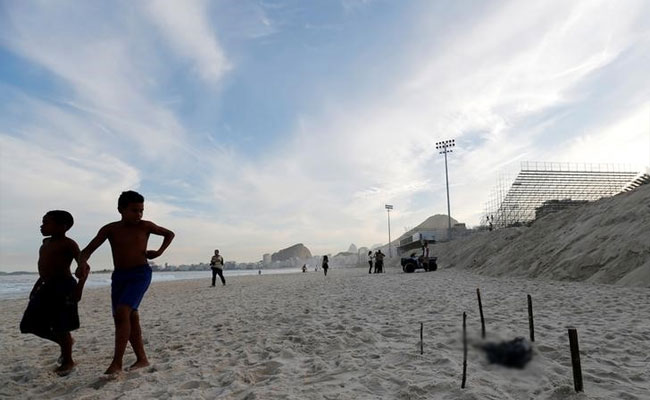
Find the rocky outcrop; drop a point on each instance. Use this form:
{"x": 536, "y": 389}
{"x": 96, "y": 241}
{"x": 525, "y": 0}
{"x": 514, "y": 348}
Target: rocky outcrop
{"x": 296, "y": 251}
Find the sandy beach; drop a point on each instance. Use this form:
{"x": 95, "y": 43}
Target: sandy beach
{"x": 349, "y": 335}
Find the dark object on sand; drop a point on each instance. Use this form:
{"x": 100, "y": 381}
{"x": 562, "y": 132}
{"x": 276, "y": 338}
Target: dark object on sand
{"x": 515, "y": 353}
{"x": 410, "y": 264}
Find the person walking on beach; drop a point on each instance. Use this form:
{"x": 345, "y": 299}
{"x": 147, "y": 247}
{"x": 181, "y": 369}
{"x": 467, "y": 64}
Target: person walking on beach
{"x": 379, "y": 262}
{"x": 216, "y": 265}
{"x": 52, "y": 309}
{"x": 325, "y": 265}
{"x": 370, "y": 261}
{"x": 130, "y": 280}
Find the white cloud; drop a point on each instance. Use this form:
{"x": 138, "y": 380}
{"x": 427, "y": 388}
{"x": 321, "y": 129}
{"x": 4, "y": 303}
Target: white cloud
{"x": 625, "y": 141}
{"x": 185, "y": 25}
{"x": 492, "y": 84}
{"x": 110, "y": 70}
{"x": 36, "y": 178}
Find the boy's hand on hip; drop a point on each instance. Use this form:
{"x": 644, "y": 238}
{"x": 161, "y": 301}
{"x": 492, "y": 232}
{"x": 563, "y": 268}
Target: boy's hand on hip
{"x": 151, "y": 254}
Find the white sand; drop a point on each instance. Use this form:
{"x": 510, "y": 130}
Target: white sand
{"x": 346, "y": 336}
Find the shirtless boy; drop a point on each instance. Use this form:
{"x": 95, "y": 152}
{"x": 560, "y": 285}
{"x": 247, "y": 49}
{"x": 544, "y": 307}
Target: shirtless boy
{"x": 52, "y": 310}
{"x": 132, "y": 275}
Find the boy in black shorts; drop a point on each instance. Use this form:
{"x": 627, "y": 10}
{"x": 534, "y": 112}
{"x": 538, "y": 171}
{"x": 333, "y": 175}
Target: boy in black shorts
{"x": 52, "y": 310}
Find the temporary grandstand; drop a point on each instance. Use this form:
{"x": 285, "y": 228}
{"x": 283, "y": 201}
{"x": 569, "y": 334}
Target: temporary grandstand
{"x": 543, "y": 187}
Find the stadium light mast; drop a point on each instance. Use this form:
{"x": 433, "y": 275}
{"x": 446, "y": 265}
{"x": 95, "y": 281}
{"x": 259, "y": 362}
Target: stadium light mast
{"x": 388, "y": 208}
{"x": 445, "y": 146}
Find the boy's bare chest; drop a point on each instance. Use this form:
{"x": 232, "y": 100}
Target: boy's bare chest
{"x": 127, "y": 235}
{"x": 52, "y": 255}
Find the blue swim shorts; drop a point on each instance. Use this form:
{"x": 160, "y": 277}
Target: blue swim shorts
{"x": 129, "y": 285}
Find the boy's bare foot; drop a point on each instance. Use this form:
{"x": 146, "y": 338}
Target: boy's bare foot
{"x": 113, "y": 369}
{"x": 139, "y": 364}
{"x": 65, "y": 369}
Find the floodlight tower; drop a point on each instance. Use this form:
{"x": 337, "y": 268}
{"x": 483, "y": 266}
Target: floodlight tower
{"x": 388, "y": 208}
{"x": 444, "y": 146}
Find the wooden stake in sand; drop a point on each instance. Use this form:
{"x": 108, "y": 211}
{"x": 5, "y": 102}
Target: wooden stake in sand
{"x": 421, "y": 340}
{"x": 462, "y": 386}
{"x": 480, "y": 308}
{"x": 575, "y": 360}
{"x": 531, "y": 325}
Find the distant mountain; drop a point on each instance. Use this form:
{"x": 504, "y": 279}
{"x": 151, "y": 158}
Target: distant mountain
{"x": 438, "y": 222}
{"x": 18, "y": 273}
{"x": 296, "y": 251}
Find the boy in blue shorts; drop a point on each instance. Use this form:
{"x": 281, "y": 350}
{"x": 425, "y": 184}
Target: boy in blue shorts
{"x": 132, "y": 275}
{"x": 52, "y": 310}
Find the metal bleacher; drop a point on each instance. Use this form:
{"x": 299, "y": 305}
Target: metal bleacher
{"x": 543, "y": 187}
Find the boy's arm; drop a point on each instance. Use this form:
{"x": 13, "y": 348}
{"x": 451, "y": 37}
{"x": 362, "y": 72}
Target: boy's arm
{"x": 82, "y": 260}
{"x": 167, "y": 235}
{"x": 82, "y": 270}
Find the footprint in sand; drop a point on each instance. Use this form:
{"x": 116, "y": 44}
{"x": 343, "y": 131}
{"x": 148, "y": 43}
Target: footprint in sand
{"x": 103, "y": 380}
{"x": 195, "y": 385}
{"x": 269, "y": 368}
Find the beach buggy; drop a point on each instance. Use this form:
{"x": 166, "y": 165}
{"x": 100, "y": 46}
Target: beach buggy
{"x": 413, "y": 262}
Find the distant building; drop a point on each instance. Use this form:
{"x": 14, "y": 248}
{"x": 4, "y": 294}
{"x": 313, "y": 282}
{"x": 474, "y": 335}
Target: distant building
{"x": 266, "y": 259}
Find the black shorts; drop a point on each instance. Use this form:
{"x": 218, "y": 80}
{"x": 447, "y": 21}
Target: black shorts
{"x": 52, "y": 309}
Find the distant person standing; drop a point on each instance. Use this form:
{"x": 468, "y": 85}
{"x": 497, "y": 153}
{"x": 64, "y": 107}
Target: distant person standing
{"x": 370, "y": 262}
{"x": 216, "y": 265}
{"x": 325, "y": 264}
{"x": 379, "y": 262}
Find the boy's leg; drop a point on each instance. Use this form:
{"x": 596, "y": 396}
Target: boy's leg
{"x": 65, "y": 341}
{"x": 223, "y": 280}
{"x": 136, "y": 342}
{"x": 214, "y": 276}
{"x": 122, "y": 318}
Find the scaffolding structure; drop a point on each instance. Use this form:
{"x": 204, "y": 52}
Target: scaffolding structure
{"x": 543, "y": 187}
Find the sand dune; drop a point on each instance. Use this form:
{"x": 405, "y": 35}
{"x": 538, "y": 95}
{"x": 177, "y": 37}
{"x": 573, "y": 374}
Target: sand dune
{"x": 607, "y": 241}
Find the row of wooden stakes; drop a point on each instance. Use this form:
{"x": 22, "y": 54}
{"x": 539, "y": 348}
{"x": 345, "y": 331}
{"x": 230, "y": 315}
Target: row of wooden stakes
{"x": 573, "y": 343}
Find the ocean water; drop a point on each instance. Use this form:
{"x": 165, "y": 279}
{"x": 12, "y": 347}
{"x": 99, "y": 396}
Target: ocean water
{"x": 19, "y": 286}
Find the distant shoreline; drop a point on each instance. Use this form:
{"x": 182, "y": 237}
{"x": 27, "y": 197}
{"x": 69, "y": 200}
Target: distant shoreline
{"x": 110, "y": 271}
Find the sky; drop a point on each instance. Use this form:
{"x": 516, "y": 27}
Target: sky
{"x": 250, "y": 126}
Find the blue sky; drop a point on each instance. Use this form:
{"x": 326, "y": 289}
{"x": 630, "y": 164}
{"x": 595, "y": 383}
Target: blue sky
{"x": 250, "y": 126}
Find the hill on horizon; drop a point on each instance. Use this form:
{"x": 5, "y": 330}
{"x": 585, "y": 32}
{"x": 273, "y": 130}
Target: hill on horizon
{"x": 437, "y": 222}
{"x": 296, "y": 251}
